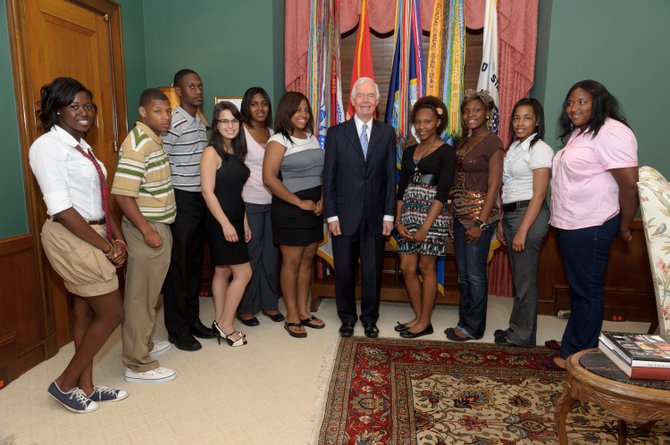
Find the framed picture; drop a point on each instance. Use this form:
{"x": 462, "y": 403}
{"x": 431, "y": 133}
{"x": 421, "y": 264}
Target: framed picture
{"x": 237, "y": 100}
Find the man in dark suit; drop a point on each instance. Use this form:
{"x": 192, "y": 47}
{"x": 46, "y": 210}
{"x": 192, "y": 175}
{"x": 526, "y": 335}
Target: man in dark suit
{"x": 359, "y": 203}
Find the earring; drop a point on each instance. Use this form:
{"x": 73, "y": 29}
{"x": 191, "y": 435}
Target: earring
{"x": 58, "y": 113}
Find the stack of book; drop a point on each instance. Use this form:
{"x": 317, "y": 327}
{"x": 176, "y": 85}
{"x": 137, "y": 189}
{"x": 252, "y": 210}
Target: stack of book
{"x": 640, "y": 356}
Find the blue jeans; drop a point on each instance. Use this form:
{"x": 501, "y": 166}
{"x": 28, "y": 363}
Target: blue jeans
{"x": 472, "y": 279}
{"x": 585, "y": 255}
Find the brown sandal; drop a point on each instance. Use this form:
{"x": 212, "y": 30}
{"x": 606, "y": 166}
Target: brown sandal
{"x": 309, "y": 322}
{"x": 288, "y": 327}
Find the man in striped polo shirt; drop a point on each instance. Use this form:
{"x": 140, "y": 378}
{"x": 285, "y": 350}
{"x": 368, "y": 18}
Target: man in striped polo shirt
{"x": 143, "y": 189}
{"x": 184, "y": 143}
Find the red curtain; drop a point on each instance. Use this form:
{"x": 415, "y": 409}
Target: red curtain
{"x": 517, "y": 34}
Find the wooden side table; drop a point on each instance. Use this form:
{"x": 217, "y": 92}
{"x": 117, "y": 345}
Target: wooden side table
{"x": 591, "y": 377}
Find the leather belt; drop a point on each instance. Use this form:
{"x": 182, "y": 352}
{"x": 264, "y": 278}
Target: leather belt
{"x": 428, "y": 179}
{"x": 513, "y": 206}
{"x": 98, "y": 222}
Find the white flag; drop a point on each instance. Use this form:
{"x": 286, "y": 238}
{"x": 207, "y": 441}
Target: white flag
{"x": 488, "y": 75}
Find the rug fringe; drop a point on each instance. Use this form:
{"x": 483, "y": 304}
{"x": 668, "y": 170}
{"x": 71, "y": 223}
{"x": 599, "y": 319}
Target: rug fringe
{"x": 323, "y": 384}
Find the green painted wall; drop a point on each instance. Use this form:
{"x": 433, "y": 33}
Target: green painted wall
{"x": 132, "y": 18}
{"x": 623, "y": 45}
{"x": 236, "y": 44}
{"x": 14, "y": 217}
{"x": 232, "y": 45}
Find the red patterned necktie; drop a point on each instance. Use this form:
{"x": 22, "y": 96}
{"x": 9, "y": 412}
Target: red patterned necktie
{"x": 103, "y": 189}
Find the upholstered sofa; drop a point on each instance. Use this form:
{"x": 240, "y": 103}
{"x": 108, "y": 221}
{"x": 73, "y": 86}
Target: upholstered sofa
{"x": 655, "y": 207}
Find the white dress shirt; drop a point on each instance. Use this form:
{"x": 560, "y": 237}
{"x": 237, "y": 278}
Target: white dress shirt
{"x": 66, "y": 178}
{"x": 359, "y": 126}
{"x": 518, "y": 166}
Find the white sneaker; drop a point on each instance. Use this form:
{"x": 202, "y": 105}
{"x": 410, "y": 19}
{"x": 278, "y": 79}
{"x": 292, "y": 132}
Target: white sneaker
{"x": 160, "y": 347}
{"x": 158, "y": 375}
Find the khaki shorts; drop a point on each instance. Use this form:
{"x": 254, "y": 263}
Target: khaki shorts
{"x": 85, "y": 269}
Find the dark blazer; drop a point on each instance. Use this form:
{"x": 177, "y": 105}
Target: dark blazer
{"x": 354, "y": 188}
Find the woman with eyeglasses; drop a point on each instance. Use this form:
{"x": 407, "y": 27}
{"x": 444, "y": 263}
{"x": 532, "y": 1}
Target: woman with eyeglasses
{"x": 81, "y": 239}
{"x": 292, "y": 170}
{"x": 223, "y": 175}
{"x": 262, "y": 293}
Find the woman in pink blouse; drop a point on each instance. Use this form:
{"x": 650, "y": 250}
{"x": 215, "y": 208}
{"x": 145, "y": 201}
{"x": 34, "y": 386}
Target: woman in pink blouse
{"x": 593, "y": 199}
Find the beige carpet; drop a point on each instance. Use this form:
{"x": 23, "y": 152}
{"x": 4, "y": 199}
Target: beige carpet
{"x": 266, "y": 393}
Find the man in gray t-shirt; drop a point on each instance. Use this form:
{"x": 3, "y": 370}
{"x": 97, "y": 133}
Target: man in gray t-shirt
{"x": 184, "y": 143}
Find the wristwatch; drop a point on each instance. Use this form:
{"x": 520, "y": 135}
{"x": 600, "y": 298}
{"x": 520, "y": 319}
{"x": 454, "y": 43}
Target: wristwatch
{"x": 481, "y": 224}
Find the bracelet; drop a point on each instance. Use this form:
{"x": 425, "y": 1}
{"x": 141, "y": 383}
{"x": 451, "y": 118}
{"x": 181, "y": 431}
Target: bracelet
{"x": 121, "y": 241}
{"x": 481, "y": 224}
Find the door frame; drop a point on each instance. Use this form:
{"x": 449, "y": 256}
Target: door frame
{"x": 27, "y": 125}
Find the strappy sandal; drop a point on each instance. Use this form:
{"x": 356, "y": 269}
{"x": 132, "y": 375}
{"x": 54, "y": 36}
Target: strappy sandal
{"x": 288, "y": 327}
{"x": 241, "y": 340}
{"x": 309, "y": 322}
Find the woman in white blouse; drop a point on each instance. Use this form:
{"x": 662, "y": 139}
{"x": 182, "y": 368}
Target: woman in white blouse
{"x": 81, "y": 238}
{"x": 525, "y": 223}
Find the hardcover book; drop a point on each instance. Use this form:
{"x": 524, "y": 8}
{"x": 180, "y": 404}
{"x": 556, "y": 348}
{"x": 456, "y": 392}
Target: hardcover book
{"x": 634, "y": 372}
{"x": 639, "y": 350}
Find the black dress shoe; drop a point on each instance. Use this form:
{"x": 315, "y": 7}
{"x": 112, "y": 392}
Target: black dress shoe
{"x": 500, "y": 333}
{"x": 410, "y": 334}
{"x": 251, "y": 322}
{"x": 201, "y": 331}
{"x": 399, "y": 327}
{"x": 276, "y": 317}
{"x": 346, "y": 330}
{"x": 371, "y": 330}
{"x": 453, "y": 336}
{"x": 502, "y": 341}
{"x": 185, "y": 343}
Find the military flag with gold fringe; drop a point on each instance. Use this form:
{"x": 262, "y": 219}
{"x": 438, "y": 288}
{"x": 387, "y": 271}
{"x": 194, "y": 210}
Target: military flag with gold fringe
{"x": 362, "y": 55}
{"x": 325, "y": 87}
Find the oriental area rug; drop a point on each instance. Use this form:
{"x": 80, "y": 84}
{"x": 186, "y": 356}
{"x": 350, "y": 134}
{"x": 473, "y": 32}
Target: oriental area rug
{"x": 404, "y": 392}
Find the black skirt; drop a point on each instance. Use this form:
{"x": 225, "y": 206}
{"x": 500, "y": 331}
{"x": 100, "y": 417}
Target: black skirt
{"x": 292, "y": 226}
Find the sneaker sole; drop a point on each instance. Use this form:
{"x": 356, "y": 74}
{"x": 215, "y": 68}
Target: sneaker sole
{"x": 142, "y": 380}
{"x": 76, "y": 411}
{"x": 162, "y": 351}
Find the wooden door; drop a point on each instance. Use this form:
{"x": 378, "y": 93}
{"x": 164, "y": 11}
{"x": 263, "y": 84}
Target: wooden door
{"x": 79, "y": 39}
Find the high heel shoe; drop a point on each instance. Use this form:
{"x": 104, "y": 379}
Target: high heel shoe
{"x": 241, "y": 341}
{"x": 218, "y": 332}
